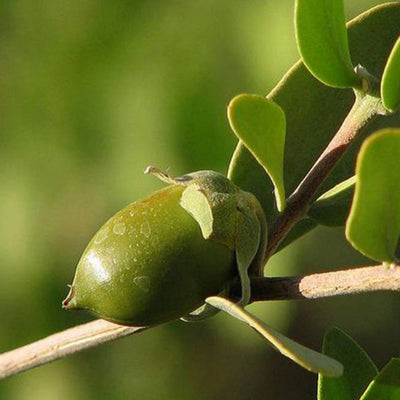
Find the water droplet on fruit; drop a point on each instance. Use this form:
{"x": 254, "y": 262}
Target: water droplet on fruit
{"x": 101, "y": 236}
{"x": 119, "y": 229}
{"x": 143, "y": 282}
{"x": 145, "y": 229}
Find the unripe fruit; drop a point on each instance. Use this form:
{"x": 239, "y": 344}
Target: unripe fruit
{"x": 151, "y": 263}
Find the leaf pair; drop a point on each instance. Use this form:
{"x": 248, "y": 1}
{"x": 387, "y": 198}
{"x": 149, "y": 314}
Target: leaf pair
{"x": 323, "y": 44}
{"x": 360, "y": 379}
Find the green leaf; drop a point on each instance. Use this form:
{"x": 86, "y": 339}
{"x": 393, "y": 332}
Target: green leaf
{"x": 314, "y": 112}
{"x": 373, "y": 226}
{"x": 247, "y": 241}
{"x": 358, "y": 368}
{"x": 307, "y": 358}
{"x": 260, "y": 124}
{"x": 337, "y": 201}
{"x": 386, "y": 385}
{"x": 195, "y": 202}
{"x": 390, "y": 85}
{"x": 322, "y": 42}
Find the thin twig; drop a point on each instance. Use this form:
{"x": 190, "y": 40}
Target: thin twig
{"x": 327, "y": 284}
{"x": 337, "y": 283}
{"x": 62, "y": 344}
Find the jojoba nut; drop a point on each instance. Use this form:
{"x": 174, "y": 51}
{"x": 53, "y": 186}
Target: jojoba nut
{"x": 150, "y": 263}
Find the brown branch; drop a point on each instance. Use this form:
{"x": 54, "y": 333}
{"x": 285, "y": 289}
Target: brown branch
{"x": 62, "y": 344}
{"x": 327, "y": 284}
{"x": 337, "y": 283}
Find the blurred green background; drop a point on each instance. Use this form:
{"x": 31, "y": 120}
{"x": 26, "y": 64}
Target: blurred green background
{"x": 91, "y": 93}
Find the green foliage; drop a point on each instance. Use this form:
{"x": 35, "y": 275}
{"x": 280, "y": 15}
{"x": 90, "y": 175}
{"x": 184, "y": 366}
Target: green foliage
{"x": 322, "y": 42}
{"x": 373, "y": 226}
{"x": 307, "y": 358}
{"x": 332, "y": 207}
{"x": 387, "y": 384}
{"x": 390, "y": 86}
{"x": 197, "y": 205}
{"x": 358, "y": 368}
{"x": 260, "y": 125}
{"x": 361, "y": 379}
{"x": 247, "y": 243}
{"x": 313, "y": 114}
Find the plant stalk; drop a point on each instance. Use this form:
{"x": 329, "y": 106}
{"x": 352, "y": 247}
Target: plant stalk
{"x": 62, "y": 344}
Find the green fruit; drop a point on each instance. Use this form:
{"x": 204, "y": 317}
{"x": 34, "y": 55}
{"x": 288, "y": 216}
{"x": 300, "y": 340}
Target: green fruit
{"x": 151, "y": 263}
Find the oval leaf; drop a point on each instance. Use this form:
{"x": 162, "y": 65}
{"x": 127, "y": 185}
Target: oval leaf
{"x": 322, "y": 42}
{"x": 373, "y": 226}
{"x": 387, "y": 384}
{"x": 307, "y": 358}
{"x": 247, "y": 241}
{"x": 261, "y": 125}
{"x": 195, "y": 202}
{"x": 314, "y": 112}
{"x": 359, "y": 370}
{"x": 390, "y": 85}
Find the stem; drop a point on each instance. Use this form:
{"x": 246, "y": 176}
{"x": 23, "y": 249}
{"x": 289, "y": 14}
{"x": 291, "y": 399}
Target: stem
{"x": 327, "y": 284}
{"x": 337, "y": 283}
{"x": 364, "y": 109}
{"x": 62, "y": 344}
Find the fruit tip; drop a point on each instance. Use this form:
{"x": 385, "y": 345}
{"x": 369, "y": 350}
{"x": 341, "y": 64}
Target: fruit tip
{"x": 150, "y": 169}
{"x": 66, "y": 303}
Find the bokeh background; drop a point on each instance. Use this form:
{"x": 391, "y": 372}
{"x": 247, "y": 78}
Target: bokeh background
{"x": 91, "y": 92}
